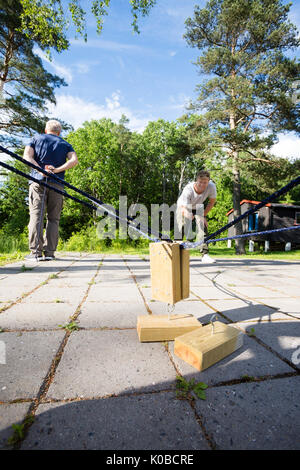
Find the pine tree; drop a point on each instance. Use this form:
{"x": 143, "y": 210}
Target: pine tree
{"x": 25, "y": 86}
{"x": 247, "y": 98}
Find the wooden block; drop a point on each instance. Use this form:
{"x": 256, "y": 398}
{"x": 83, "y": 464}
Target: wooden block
{"x": 169, "y": 266}
{"x": 161, "y": 328}
{"x": 202, "y": 349}
{"x": 185, "y": 273}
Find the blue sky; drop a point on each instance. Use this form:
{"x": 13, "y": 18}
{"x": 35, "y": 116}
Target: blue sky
{"x": 145, "y": 76}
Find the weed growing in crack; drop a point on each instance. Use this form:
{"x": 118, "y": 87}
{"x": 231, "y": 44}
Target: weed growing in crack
{"x": 184, "y": 387}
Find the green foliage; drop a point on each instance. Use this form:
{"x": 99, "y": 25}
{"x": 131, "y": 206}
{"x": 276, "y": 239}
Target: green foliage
{"x": 147, "y": 168}
{"x": 247, "y": 98}
{"x": 71, "y": 326}
{"x": 184, "y": 387}
{"x": 20, "y": 430}
{"x": 12, "y": 243}
{"x": 243, "y": 45}
{"x": 25, "y": 86}
{"x": 88, "y": 240}
{"x": 48, "y": 20}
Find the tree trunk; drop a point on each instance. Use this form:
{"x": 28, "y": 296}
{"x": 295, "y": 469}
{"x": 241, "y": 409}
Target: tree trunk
{"x": 238, "y": 230}
{"x": 183, "y": 166}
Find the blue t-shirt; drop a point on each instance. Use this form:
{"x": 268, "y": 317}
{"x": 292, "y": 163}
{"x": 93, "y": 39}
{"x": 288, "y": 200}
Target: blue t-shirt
{"x": 49, "y": 149}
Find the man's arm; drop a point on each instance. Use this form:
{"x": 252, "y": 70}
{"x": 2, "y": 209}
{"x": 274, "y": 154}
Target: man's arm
{"x": 209, "y": 206}
{"x": 72, "y": 160}
{"x": 29, "y": 155}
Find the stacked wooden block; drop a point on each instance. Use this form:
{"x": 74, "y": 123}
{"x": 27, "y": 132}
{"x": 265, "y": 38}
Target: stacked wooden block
{"x": 199, "y": 346}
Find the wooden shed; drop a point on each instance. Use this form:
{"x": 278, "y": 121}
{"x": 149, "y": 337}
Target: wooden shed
{"x": 271, "y": 216}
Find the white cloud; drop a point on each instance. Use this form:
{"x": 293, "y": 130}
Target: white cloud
{"x": 179, "y": 102}
{"x": 107, "y": 45}
{"x": 76, "y": 111}
{"x": 61, "y": 70}
{"x": 287, "y": 147}
{"x": 85, "y": 66}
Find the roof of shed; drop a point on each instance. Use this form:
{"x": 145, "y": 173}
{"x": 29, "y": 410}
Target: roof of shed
{"x": 273, "y": 204}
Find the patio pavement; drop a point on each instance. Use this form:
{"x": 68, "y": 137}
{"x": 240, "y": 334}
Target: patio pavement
{"x": 98, "y": 387}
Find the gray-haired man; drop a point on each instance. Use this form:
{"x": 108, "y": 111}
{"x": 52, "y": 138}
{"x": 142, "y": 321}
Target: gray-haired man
{"x": 51, "y": 151}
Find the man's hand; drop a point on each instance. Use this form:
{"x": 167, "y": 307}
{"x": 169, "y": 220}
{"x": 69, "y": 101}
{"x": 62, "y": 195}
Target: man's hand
{"x": 187, "y": 214}
{"x": 72, "y": 160}
{"x": 50, "y": 169}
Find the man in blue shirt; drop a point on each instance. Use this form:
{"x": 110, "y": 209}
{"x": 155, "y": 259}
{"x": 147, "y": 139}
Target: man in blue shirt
{"x": 51, "y": 151}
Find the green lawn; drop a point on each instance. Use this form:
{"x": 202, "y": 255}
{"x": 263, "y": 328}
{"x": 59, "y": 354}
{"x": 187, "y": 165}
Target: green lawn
{"x": 214, "y": 251}
{"x": 225, "y": 252}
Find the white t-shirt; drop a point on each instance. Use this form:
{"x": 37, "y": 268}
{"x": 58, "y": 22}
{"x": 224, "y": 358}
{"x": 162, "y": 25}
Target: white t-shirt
{"x": 190, "y": 197}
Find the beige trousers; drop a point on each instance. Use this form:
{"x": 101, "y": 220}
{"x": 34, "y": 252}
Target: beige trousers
{"x": 52, "y": 204}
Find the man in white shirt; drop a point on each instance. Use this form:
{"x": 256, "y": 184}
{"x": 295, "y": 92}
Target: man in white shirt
{"x": 190, "y": 206}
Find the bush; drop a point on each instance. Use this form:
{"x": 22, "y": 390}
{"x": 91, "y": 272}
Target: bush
{"x": 88, "y": 240}
{"x": 13, "y": 243}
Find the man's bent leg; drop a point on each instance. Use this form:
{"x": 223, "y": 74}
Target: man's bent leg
{"x": 54, "y": 207}
{"x": 202, "y": 232}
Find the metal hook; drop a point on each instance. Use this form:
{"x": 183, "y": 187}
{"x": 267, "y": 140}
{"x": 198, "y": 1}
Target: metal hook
{"x": 170, "y": 309}
{"x": 214, "y": 316}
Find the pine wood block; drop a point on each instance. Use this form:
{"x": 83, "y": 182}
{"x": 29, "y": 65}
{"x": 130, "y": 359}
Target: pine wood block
{"x": 169, "y": 265}
{"x": 162, "y": 328}
{"x": 204, "y": 347}
{"x": 185, "y": 273}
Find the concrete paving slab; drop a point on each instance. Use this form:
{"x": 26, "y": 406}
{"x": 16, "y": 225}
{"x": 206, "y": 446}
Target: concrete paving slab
{"x": 282, "y": 337}
{"x": 289, "y": 306}
{"x": 259, "y": 292}
{"x": 30, "y": 316}
{"x": 11, "y": 293}
{"x": 150, "y": 422}
{"x": 4, "y": 305}
{"x": 110, "y": 314}
{"x": 9, "y": 415}
{"x": 100, "y": 363}
{"x": 45, "y": 293}
{"x": 115, "y": 282}
{"x": 246, "y": 310}
{"x": 64, "y": 281}
{"x": 213, "y": 293}
{"x": 142, "y": 280}
{"x": 28, "y": 358}
{"x": 199, "y": 281}
{"x": 104, "y": 368}
{"x": 251, "y": 360}
{"x": 122, "y": 293}
{"x": 254, "y": 416}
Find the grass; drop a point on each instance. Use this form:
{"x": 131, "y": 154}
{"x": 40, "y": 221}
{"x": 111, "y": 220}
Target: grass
{"x": 224, "y": 252}
{"x": 6, "y": 258}
{"x": 15, "y": 248}
{"x": 215, "y": 252}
